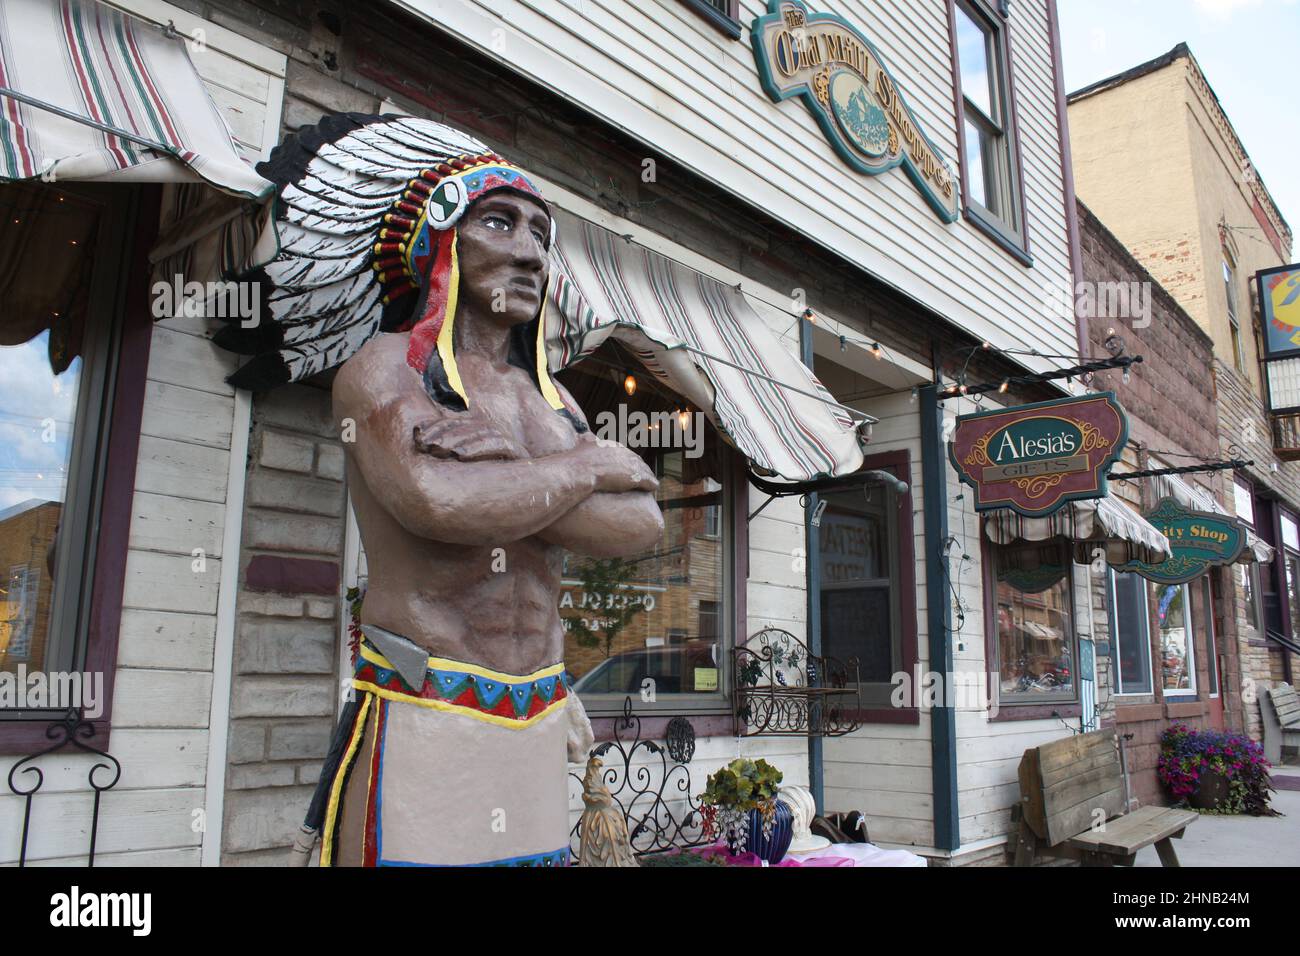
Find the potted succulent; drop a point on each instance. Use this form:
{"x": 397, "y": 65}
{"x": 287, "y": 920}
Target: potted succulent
{"x": 740, "y": 806}
{"x": 1215, "y": 772}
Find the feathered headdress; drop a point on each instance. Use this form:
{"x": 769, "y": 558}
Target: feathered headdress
{"x": 365, "y": 241}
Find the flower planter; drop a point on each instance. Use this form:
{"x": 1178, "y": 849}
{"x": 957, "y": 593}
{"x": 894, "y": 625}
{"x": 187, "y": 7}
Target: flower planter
{"x": 770, "y": 848}
{"x": 1212, "y": 792}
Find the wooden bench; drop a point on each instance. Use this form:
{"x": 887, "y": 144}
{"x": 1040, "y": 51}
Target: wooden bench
{"x": 1072, "y": 806}
{"x": 1281, "y": 722}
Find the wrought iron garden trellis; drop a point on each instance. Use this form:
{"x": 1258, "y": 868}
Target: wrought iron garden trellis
{"x": 654, "y": 822}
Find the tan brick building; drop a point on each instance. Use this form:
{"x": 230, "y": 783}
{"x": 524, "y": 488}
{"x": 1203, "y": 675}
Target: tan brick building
{"x": 1157, "y": 160}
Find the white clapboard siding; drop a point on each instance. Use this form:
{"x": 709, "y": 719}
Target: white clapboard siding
{"x": 163, "y": 684}
{"x": 672, "y": 80}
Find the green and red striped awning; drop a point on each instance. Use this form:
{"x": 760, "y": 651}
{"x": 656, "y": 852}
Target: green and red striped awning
{"x": 89, "y": 93}
{"x": 705, "y": 341}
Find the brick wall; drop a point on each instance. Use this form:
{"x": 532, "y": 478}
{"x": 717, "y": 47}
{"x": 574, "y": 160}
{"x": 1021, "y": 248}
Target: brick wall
{"x": 1170, "y": 402}
{"x": 285, "y": 686}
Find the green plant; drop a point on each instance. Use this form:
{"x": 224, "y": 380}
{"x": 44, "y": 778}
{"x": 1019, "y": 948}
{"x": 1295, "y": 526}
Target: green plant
{"x": 733, "y": 792}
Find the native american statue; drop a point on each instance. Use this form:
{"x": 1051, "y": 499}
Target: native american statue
{"x": 418, "y": 261}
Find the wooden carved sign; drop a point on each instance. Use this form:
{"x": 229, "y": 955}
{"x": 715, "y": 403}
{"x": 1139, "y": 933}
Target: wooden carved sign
{"x": 841, "y": 78}
{"x": 1198, "y": 540}
{"x": 1035, "y": 458}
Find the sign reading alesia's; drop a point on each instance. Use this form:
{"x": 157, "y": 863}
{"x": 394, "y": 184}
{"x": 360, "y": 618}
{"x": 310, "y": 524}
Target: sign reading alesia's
{"x": 1198, "y": 540}
{"x": 1035, "y": 458}
{"x": 854, "y": 98}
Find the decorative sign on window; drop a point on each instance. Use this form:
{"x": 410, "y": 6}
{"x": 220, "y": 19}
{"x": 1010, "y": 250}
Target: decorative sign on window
{"x": 1035, "y": 458}
{"x": 854, "y": 98}
{"x": 1198, "y": 540}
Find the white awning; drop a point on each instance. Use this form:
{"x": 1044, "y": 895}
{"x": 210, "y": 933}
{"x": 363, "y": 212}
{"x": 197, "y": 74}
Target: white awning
{"x": 90, "y": 93}
{"x": 1189, "y": 496}
{"x": 702, "y": 339}
{"x": 1106, "y": 523}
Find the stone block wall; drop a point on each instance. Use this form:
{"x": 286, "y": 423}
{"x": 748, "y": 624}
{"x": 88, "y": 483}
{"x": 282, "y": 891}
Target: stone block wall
{"x": 285, "y": 687}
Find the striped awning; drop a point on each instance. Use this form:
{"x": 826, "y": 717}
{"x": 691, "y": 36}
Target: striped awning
{"x": 1189, "y": 496}
{"x": 1105, "y": 523}
{"x": 90, "y": 93}
{"x": 705, "y": 341}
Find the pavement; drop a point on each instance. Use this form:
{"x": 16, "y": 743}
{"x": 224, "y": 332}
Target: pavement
{"x": 1243, "y": 840}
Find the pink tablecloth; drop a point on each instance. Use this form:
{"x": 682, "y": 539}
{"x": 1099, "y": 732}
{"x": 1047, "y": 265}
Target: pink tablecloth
{"x": 837, "y": 854}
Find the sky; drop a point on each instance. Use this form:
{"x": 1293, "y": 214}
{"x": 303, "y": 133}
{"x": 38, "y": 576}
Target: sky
{"x": 30, "y": 466}
{"x": 1248, "y": 50}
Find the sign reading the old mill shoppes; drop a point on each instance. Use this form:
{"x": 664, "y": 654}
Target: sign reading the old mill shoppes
{"x": 854, "y": 98}
{"x": 1035, "y": 458}
{"x": 1198, "y": 540}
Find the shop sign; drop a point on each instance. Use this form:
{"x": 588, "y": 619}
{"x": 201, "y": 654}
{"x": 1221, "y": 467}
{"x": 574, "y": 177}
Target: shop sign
{"x": 1033, "y": 459}
{"x": 1279, "y": 297}
{"x": 1198, "y": 540}
{"x": 845, "y": 84}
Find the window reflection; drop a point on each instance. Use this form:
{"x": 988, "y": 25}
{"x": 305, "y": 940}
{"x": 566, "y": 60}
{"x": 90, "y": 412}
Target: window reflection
{"x": 37, "y": 412}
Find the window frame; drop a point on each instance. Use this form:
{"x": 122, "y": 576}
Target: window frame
{"x": 1113, "y": 619}
{"x": 728, "y": 22}
{"x": 1234, "y": 319}
{"x": 120, "y": 299}
{"x": 604, "y": 708}
{"x": 902, "y": 550}
{"x": 1012, "y": 239}
{"x": 1028, "y": 709}
{"x": 1189, "y": 628}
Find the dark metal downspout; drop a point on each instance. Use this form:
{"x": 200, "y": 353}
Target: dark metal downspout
{"x": 812, "y": 552}
{"x": 943, "y": 719}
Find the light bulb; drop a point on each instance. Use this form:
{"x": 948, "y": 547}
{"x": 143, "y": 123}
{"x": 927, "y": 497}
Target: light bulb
{"x": 1003, "y": 387}
{"x": 629, "y": 385}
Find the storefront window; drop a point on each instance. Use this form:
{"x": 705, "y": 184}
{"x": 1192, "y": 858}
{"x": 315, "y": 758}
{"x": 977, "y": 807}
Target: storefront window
{"x": 653, "y": 625}
{"x": 1131, "y": 629}
{"x": 858, "y": 555}
{"x": 1034, "y": 622}
{"x": 1211, "y": 643}
{"x": 1177, "y": 654}
{"x": 54, "y": 356}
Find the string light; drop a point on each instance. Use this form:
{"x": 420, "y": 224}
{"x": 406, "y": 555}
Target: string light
{"x": 1006, "y": 382}
{"x": 629, "y": 384}
{"x": 683, "y": 418}
{"x": 808, "y": 314}
{"x": 875, "y": 350}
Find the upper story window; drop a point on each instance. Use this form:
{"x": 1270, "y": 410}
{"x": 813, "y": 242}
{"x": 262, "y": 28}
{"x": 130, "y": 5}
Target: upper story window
{"x": 1234, "y": 323}
{"x": 990, "y": 157}
{"x": 723, "y": 14}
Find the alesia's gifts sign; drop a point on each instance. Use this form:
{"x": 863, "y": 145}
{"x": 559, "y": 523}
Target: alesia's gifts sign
{"x": 1198, "y": 540}
{"x": 1035, "y": 458}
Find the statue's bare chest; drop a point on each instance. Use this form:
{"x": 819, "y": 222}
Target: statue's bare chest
{"x": 512, "y": 402}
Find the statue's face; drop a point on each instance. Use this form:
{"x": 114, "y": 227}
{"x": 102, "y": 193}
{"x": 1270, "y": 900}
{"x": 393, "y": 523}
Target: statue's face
{"x": 503, "y": 261}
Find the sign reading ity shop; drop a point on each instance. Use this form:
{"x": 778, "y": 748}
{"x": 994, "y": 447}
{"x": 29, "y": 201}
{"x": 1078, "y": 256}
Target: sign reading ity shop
{"x": 1035, "y": 458}
{"x": 1198, "y": 540}
{"x": 854, "y": 98}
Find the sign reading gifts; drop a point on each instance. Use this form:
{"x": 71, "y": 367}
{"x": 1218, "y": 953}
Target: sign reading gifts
{"x": 1036, "y": 458}
{"x": 852, "y": 95}
{"x": 1198, "y": 540}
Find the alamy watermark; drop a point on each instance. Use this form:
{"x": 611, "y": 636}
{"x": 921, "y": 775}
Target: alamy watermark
{"x": 682, "y": 429}
{"x": 57, "y": 690}
{"x": 226, "y": 299}
{"x": 1099, "y": 300}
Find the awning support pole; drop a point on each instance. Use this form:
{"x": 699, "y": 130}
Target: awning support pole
{"x": 86, "y": 121}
